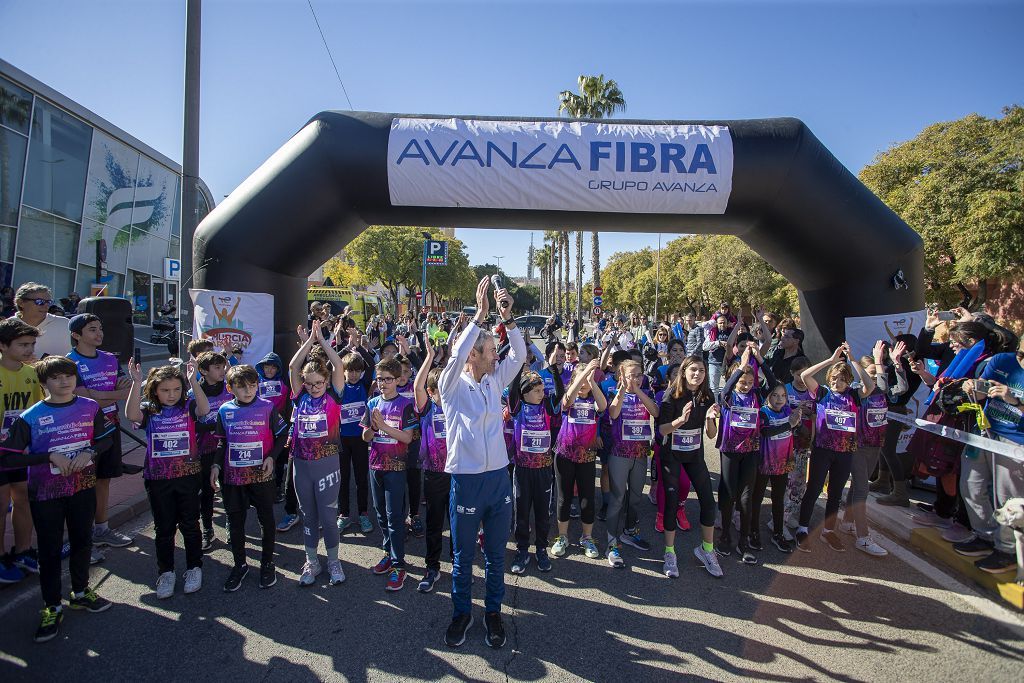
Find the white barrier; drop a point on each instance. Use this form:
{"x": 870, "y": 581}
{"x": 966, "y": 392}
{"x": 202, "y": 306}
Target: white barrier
{"x": 1010, "y": 450}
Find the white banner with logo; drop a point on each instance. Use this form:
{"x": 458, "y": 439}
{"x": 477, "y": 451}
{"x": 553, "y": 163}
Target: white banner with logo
{"x": 231, "y": 319}
{"x": 863, "y": 332}
{"x": 560, "y": 166}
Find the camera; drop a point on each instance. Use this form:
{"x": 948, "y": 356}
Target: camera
{"x": 982, "y": 385}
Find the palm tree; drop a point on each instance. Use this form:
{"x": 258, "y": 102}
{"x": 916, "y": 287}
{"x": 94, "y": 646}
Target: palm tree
{"x": 542, "y": 259}
{"x": 564, "y": 236}
{"x": 597, "y": 99}
{"x": 579, "y": 276}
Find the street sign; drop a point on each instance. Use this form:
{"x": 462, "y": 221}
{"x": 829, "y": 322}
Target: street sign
{"x": 437, "y": 253}
{"x": 172, "y": 269}
{"x": 598, "y": 301}
{"x": 597, "y": 310}
{"x": 97, "y": 289}
{"x": 419, "y": 296}
{"x": 598, "y": 291}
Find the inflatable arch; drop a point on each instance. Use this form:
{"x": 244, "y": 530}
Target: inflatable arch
{"x": 768, "y": 181}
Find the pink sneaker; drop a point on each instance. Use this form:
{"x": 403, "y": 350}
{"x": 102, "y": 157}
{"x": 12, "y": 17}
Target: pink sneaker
{"x": 681, "y": 521}
{"x": 659, "y": 523}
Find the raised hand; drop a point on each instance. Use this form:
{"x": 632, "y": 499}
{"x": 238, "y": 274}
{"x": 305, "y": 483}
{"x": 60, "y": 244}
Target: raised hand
{"x": 134, "y": 370}
{"x": 483, "y": 303}
{"x": 302, "y": 333}
{"x": 897, "y": 351}
{"x": 878, "y": 352}
{"x": 190, "y": 372}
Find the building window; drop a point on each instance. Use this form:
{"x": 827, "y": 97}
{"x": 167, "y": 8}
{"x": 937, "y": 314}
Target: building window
{"x": 60, "y": 280}
{"x": 58, "y": 159}
{"x": 17, "y": 106}
{"x": 48, "y": 238}
{"x": 12, "y": 170}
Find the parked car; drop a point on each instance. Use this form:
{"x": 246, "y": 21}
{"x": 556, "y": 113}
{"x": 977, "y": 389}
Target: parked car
{"x": 532, "y": 323}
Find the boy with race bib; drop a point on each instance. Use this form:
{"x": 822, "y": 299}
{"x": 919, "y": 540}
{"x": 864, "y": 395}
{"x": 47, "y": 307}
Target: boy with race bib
{"x": 172, "y": 468}
{"x": 212, "y": 367}
{"x": 250, "y": 435}
{"x": 57, "y": 440}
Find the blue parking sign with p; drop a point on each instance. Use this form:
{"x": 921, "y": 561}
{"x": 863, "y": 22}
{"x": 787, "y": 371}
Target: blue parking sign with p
{"x": 437, "y": 253}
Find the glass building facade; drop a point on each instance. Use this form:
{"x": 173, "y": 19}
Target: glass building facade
{"x": 70, "y": 181}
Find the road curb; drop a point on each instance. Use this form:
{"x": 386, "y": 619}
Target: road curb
{"x": 127, "y": 510}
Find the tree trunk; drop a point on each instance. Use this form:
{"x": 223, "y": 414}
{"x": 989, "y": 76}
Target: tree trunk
{"x": 579, "y": 276}
{"x": 564, "y": 237}
{"x": 595, "y": 258}
{"x": 556, "y": 243}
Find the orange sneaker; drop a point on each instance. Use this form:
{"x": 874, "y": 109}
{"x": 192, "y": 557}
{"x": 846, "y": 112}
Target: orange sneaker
{"x": 681, "y": 521}
{"x": 659, "y": 523}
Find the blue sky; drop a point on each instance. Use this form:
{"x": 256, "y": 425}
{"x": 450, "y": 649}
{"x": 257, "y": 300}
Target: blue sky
{"x": 862, "y": 76}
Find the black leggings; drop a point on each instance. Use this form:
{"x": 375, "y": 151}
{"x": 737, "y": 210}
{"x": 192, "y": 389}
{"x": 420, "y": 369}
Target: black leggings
{"x": 893, "y": 460}
{"x": 738, "y": 473}
{"x": 700, "y": 482}
{"x": 779, "y": 482}
{"x": 206, "y": 494}
{"x": 579, "y": 476}
{"x": 836, "y": 467}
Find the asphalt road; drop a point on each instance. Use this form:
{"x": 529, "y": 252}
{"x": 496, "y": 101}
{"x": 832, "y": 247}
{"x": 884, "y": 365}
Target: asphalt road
{"x": 817, "y": 616}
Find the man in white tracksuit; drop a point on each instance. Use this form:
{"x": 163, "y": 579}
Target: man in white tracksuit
{"x": 471, "y": 386}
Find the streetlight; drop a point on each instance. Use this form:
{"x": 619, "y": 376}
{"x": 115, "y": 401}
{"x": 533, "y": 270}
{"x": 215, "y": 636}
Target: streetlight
{"x": 498, "y": 258}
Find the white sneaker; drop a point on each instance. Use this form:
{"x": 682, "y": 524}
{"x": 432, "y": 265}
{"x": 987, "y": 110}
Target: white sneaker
{"x": 559, "y": 547}
{"x": 848, "y": 528}
{"x": 310, "y": 571}
{"x": 709, "y": 560}
{"x": 193, "y": 579}
{"x": 336, "y": 572}
{"x": 96, "y": 555}
{"x": 868, "y": 545}
{"x": 590, "y": 547}
{"x": 671, "y": 568}
{"x": 165, "y": 585}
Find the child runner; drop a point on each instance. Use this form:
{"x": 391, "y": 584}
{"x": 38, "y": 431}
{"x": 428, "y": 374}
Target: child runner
{"x": 101, "y": 379}
{"x": 274, "y": 387}
{"x": 778, "y": 420}
{"x": 19, "y": 388}
{"x": 531, "y": 411}
{"x": 631, "y": 411}
{"x": 319, "y": 409}
{"x": 682, "y": 523}
{"x": 57, "y": 440}
{"x": 389, "y": 426}
{"x": 250, "y": 435}
{"x": 212, "y": 367}
{"x": 803, "y": 438}
{"x": 172, "y": 467}
{"x": 355, "y": 457}
{"x": 575, "y": 466}
{"x": 688, "y": 414}
{"x": 609, "y": 385}
{"x": 413, "y": 473}
{"x": 873, "y": 423}
{"x": 740, "y": 447}
{"x": 437, "y": 483}
{"x": 835, "y": 440}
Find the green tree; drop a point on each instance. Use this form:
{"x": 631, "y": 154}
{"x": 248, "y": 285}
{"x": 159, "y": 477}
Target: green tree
{"x": 343, "y": 273}
{"x": 960, "y": 185}
{"x": 454, "y": 282}
{"x": 597, "y": 99}
{"x": 390, "y": 254}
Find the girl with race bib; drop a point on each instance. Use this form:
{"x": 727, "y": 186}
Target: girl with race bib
{"x": 778, "y": 421}
{"x": 172, "y": 469}
{"x": 658, "y": 484}
{"x": 319, "y": 408}
{"x": 688, "y": 414}
{"x": 437, "y": 484}
{"x": 530, "y": 411}
{"x": 739, "y": 441}
{"x": 873, "y": 423}
{"x": 631, "y": 411}
{"x": 574, "y": 465}
{"x": 837, "y": 416}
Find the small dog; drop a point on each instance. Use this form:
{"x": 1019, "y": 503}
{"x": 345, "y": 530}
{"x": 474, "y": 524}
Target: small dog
{"x": 1012, "y": 515}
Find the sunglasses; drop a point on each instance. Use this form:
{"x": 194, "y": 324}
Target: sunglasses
{"x": 40, "y": 302}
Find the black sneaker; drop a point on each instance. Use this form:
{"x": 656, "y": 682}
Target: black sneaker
{"x": 782, "y": 543}
{"x": 520, "y": 561}
{"x": 754, "y": 541}
{"x": 49, "y": 625}
{"x": 268, "y": 575}
{"x": 997, "y": 562}
{"x": 543, "y": 561}
{"x": 89, "y": 601}
{"x": 746, "y": 556}
{"x": 495, "y": 636}
{"x": 803, "y": 541}
{"x": 456, "y": 633}
{"x": 724, "y": 545}
{"x": 429, "y": 579}
{"x": 207, "y": 540}
{"x": 833, "y": 541}
{"x": 975, "y": 547}
{"x": 235, "y": 578}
